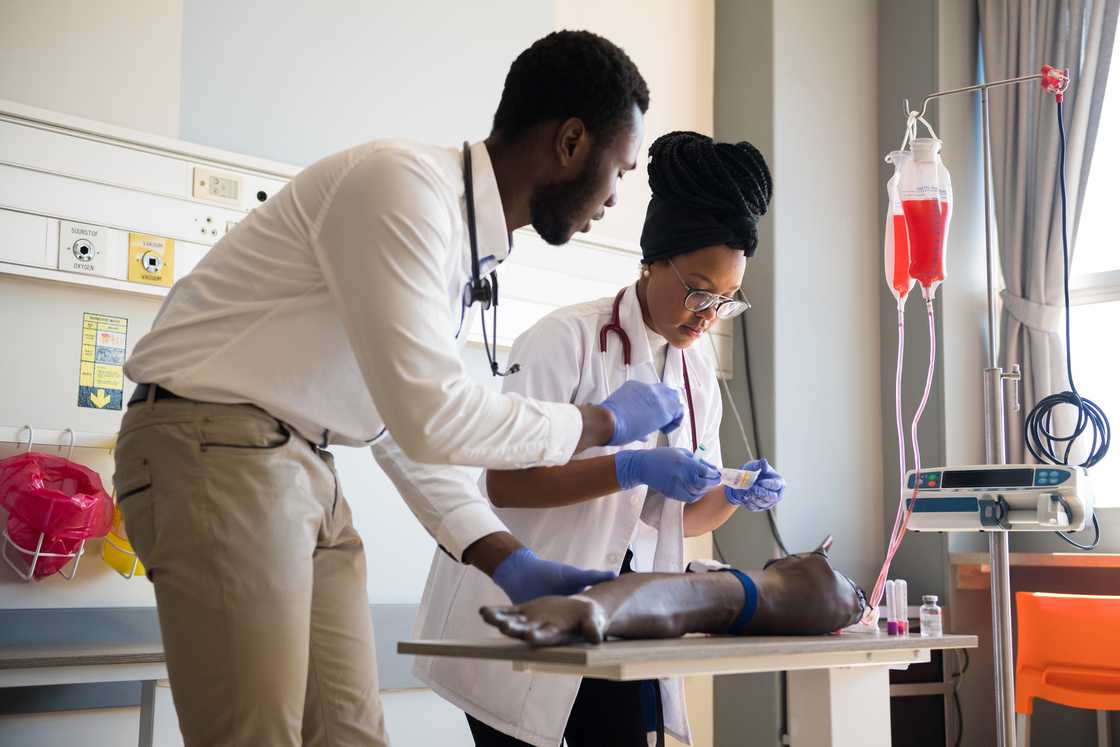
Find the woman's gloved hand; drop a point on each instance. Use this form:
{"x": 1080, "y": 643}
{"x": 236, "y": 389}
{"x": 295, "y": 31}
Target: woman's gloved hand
{"x": 639, "y": 409}
{"x": 675, "y": 473}
{"x": 767, "y": 489}
{"x": 524, "y": 576}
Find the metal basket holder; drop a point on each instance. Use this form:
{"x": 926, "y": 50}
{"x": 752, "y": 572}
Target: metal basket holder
{"x": 124, "y": 551}
{"x": 37, "y": 553}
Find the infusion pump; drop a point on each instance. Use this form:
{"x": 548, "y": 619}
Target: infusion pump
{"x": 1012, "y": 497}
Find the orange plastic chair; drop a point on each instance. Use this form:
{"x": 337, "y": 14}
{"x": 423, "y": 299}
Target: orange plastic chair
{"x": 1069, "y": 653}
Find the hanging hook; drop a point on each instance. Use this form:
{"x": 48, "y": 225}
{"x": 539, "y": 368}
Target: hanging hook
{"x": 70, "y": 444}
{"x": 30, "y": 436}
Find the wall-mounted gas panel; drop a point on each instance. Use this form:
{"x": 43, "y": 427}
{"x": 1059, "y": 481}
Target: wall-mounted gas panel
{"x": 92, "y": 204}
{"x": 90, "y": 254}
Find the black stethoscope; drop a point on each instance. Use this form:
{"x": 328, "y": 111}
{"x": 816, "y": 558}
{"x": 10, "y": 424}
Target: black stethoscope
{"x": 615, "y": 326}
{"x": 480, "y": 290}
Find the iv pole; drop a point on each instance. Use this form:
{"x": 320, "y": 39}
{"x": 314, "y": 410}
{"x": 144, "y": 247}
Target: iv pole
{"x": 995, "y": 445}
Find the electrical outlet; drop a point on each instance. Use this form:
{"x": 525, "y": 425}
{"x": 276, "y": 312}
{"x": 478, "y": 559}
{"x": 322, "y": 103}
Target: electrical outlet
{"x": 216, "y": 186}
{"x": 83, "y": 248}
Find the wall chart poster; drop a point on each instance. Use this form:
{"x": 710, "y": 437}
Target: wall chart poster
{"x": 101, "y": 381}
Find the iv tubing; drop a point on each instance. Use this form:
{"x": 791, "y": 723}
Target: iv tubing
{"x": 902, "y": 517}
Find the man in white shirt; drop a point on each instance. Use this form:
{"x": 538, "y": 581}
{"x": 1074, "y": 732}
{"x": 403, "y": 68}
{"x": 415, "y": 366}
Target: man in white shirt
{"x": 333, "y": 314}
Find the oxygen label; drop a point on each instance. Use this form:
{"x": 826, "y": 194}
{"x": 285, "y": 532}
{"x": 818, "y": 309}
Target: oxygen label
{"x": 101, "y": 374}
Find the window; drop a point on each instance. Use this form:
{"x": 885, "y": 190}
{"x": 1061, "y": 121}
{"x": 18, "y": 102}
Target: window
{"x": 1095, "y": 285}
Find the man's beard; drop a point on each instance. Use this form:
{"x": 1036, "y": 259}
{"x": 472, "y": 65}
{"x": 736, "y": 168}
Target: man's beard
{"x": 554, "y": 209}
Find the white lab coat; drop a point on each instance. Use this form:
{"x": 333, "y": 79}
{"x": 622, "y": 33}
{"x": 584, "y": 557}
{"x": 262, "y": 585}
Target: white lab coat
{"x": 560, "y": 361}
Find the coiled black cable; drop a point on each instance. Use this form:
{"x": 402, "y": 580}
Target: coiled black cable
{"x": 770, "y": 518}
{"x": 1043, "y": 443}
{"x": 957, "y": 696}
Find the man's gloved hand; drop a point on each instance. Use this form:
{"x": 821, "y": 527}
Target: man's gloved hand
{"x": 524, "y": 576}
{"x": 675, "y": 473}
{"x": 767, "y": 490}
{"x": 640, "y": 409}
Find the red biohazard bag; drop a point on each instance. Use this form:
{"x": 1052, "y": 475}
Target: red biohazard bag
{"x": 53, "y": 504}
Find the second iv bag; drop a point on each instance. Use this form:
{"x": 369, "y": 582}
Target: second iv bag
{"x": 896, "y": 245}
{"x": 927, "y": 203}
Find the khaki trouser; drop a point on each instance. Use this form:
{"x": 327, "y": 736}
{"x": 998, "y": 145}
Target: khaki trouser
{"x": 260, "y": 578}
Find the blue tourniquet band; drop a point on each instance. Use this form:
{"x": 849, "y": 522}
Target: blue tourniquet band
{"x": 749, "y": 603}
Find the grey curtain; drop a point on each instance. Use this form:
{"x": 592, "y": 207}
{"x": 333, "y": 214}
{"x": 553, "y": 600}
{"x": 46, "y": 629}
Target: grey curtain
{"x": 1018, "y": 37}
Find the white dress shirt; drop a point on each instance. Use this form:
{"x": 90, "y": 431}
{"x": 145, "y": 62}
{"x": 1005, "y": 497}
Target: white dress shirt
{"x": 335, "y": 306}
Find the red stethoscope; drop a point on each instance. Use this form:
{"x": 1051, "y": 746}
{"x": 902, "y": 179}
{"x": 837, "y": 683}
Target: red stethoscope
{"x": 615, "y": 326}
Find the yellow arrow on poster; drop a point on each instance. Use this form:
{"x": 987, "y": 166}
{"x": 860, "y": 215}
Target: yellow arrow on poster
{"x": 100, "y": 398}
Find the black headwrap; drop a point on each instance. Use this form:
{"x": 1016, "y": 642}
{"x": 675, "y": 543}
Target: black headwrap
{"x": 704, "y": 193}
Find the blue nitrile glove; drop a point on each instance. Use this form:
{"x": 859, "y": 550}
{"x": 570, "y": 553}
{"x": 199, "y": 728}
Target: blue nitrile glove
{"x": 675, "y": 473}
{"x": 640, "y": 409}
{"x": 524, "y": 576}
{"x": 766, "y": 491}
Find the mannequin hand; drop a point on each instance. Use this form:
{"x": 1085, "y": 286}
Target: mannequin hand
{"x": 551, "y": 621}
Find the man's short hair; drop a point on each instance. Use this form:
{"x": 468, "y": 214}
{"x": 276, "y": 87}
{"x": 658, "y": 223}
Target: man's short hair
{"x": 570, "y": 74}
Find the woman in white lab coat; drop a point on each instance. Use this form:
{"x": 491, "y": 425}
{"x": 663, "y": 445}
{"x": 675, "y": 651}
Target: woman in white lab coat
{"x": 617, "y": 509}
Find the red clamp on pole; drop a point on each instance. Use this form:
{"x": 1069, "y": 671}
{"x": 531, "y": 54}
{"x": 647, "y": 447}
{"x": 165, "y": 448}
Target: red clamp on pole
{"x": 1055, "y": 80}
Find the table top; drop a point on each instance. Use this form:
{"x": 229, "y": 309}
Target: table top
{"x": 1042, "y": 559}
{"x": 689, "y": 648}
{"x": 35, "y": 658}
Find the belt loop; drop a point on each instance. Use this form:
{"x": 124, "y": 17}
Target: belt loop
{"x": 150, "y": 399}
{"x": 326, "y": 439}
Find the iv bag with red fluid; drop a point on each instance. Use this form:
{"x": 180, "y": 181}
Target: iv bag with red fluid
{"x": 896, "y": 244}
{"x": 927, "y": 204}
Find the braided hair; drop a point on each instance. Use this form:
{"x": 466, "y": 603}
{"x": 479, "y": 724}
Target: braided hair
{"x": 704, "y": 193}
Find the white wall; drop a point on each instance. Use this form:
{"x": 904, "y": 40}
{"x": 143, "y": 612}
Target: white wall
{"x": 40, "y": 388}
{"x": 293, "y": 82}
{"x": 673, "y": 45}
{"x": 798, "y": 78}
{"x": 748, "y": 707}
{"x": 827, "y": 278}
{"x": 114, "y": 61}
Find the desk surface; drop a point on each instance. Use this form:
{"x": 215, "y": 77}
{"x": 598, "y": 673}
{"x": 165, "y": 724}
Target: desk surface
{"x": 35, "y": 658}
{"x": 619, "y": 659}
{"x": 1042, "y": 559}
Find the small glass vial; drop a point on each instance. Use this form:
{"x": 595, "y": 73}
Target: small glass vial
{"x": 929, "y": 617}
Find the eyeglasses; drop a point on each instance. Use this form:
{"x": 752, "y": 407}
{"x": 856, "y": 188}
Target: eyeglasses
{"x": 698, "y": 301}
